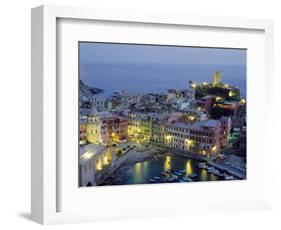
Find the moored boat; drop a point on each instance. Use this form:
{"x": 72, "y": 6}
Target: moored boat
{"x": 186, "y": 179}
{"x": 229, "y": 177}
{"x": 192, "y": 175}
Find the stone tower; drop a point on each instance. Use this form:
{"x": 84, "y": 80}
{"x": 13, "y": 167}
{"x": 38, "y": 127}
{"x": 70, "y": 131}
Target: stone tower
{"x": 217, "y": 78}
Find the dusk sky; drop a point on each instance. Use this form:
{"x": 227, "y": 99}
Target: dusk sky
{"x": 118, "y": 53}
{"x": 143, "y": 68}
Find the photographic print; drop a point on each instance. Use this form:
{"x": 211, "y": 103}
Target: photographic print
{"x": 152, "y": 114}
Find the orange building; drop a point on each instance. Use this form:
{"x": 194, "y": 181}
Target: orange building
{"x": 117, "y": 128}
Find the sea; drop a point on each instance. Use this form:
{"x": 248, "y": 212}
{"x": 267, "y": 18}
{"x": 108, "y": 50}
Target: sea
{"x": 140, "y": 78}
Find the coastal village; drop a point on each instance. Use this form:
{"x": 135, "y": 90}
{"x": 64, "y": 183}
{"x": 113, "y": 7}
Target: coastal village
{"x": 204, "y": 121}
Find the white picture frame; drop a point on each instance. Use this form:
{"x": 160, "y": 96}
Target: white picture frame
{"x": 46, "y": 197}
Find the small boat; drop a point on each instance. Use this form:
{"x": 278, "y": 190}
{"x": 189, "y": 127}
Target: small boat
{"x": 186, "y": 179}
{"x": 216, "y": 172}
{"x": 163, "y": 173}
{"x": 192, "y": 175}
{"x": 182, "y": 171}
{"x": 210, "y": 169}
{"x": 175, "y": 176}
{"x": 202, "y": 164}
{"x": 228, "y": 177}
{"x": 152, "y": 180}
{"x": 178, "y": 173}
{"x": 156, "y": 178}
{"x": 170, "y": 179}
{"x": 168, "y": 171}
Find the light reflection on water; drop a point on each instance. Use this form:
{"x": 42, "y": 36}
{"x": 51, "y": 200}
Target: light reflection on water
{"x": 142, "y": 172}
{"x": 188, "y": 168}
{"x": 204, "y": 175}
{"x": 168, "y": 163}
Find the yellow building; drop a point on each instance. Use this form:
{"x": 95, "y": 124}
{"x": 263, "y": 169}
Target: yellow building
{"x": 140, "y": 128}
{"x": 93, "y": 127}
{"x": 217, "y": 78}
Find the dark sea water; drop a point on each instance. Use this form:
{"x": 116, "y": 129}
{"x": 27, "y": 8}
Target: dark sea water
{"x": 155, "y": 78}
{"x": 142, "y": 172}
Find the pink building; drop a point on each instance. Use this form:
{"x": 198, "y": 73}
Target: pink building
{"x": 206, "y": 137}
{"x": 115, "y": 128}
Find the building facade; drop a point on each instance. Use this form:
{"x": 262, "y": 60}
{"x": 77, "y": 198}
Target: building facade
{"x": 206, "y": 137}
{"x": 105, "y": 128}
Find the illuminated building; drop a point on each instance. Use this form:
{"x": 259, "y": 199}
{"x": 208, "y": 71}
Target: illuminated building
{"x": 103, "y": 127}
{"x": 93, "y": 159}
{"x": 230, "y": 107}
{"x": 158, "y": 133}
{"x": 94, "y": 127}
{"x": 205, "y": 137}
{"x": 140, "y": 127}
{"x": 116, "y": 129}
{"x": 82, "y": 130}
{"x": 217, "y": 78}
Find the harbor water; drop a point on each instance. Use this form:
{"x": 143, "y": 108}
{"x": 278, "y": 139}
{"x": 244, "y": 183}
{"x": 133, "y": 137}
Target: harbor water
{"x": 159, "y": 168}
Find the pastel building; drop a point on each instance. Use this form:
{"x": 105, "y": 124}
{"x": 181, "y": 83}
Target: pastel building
{"x": 140, "y": 126}
{"x": 93, "y": 160}
{"x": 94, "y": 127}
{"x": 206, "y": 137}
{"x": 116, "y": 129}
{"x": 104, "y": 128}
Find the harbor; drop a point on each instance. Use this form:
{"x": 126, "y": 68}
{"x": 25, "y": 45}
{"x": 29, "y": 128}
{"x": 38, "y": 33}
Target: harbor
{"x": 170, "y": 123}
{"x": 167, "y": 167}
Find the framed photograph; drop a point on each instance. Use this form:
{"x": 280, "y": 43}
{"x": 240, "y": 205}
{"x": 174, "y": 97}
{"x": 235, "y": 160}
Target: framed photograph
{"x": 140, "y": 114}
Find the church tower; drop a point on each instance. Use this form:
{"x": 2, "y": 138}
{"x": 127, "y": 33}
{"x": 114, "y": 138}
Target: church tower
{"x": 93, "y": 126}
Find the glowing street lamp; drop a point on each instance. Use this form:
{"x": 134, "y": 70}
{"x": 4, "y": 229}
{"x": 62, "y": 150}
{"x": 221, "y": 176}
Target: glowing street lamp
{"x": 218, "y": 98}
{"x": 192, "y": 117}
{"x": 88, "y": 155}
{"x": 99, "y": 165}
{"x": 231, "y": 93}
{"x": 189, "y": 143}
{"x": 168, "y": 137}
{"x": 193, "y": 86}
{"x": 242, "y": 101}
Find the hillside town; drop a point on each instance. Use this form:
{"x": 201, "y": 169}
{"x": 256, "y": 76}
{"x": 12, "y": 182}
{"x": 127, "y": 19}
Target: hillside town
{"x": 204, "y": 121}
